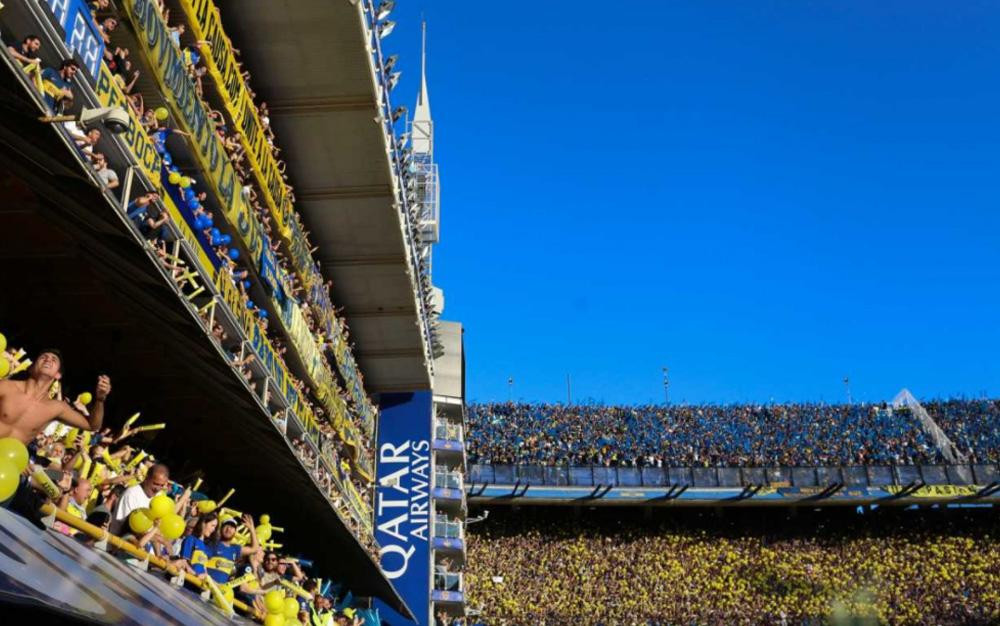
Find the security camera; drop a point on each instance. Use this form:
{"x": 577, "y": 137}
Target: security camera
{"x": 115, "y": 119}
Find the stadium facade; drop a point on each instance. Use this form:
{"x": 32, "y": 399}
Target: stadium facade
{"x": 218, "y": 296}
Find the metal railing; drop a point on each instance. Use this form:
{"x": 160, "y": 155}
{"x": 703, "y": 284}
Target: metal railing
{"x": 448, "y": 529}
{"x": 448, "y": 581}
{"x": 449, "y": 480}
{"x": 448, "y": 431}
{"x": 709, "y": 477}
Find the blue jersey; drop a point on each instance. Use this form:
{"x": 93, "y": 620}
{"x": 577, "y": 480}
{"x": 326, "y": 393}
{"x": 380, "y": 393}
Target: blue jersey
{"x": 196, "y": 552}
{"x": 223, "y": 561}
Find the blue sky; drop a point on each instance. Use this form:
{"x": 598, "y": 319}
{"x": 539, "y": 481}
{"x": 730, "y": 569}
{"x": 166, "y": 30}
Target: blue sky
{"x": 764, "y": 196}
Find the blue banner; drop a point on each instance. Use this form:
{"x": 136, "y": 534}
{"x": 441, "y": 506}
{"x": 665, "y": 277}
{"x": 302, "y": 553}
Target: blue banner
{"x": 269, "y": 271}
{"x": 80, "y": 32}
{"x": 403, "y": 510}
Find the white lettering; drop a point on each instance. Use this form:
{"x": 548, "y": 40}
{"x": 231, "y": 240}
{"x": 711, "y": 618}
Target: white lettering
{"x": 406, "y": 554}
{"x": 396, "y": 450}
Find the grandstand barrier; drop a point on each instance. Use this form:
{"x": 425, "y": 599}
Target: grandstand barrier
{"x": 74, "y": 582}
{"x": 103, "y": 536}
{"x": 735, "y": 477}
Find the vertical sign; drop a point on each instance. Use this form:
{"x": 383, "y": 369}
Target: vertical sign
{"x": 403, "y": 510}
{"x": 80, "y": 32}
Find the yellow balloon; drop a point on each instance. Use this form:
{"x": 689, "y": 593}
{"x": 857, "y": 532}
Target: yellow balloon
{"x": 185, "y": 182}
{"x": 263, "y": 532}
{"x": 265, "y": 519}
{"x": 4, "y": 366}
{"x": 85, "y": 398}
{"x": 274, "y": 602}
{"x": 140, "y": 521}
{"x": 172, "y": 526}
{"x": 15, "y": 452}
{"x": 161, "y": 506}
{"x": 291, "y": 608}
{"x": 206, "y": 506}
{"x": 174, "y": 178}
{"x": 274, "y": 619}
{"x": 3, "y": 342}
{"x": 9, "y": 479}
{"x": 162, "y": 113}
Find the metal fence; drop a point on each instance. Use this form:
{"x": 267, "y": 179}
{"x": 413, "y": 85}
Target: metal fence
{"x": 848, "y": 475}
{"x": 447, "y": 529}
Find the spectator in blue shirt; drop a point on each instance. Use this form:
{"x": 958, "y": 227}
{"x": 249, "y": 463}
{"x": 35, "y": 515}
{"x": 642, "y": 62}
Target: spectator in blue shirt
{"x": 58, "y": 84}
{"x": 225, "y": 553}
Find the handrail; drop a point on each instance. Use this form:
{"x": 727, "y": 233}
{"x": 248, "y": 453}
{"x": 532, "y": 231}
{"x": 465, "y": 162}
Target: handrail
{"x": 100, "y": 534}
{"x": 734, "y": 477}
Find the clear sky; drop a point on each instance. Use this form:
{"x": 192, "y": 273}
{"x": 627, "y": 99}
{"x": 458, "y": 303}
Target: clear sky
{"x": 764, "y": 196}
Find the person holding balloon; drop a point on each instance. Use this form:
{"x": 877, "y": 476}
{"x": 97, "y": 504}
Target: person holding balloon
{"x": 138, "y": 496}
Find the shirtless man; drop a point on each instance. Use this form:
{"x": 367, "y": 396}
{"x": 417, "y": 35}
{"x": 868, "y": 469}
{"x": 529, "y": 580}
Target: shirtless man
{"x": 25, "y": 407}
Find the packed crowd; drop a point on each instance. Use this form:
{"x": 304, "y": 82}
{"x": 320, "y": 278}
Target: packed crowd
{"x": 66, "y": 456}
{"x": 149, "y": 216}
{"x": 898, "y": 567}
{"x": 732, "y": 435}
{"x": 972, "y": 425}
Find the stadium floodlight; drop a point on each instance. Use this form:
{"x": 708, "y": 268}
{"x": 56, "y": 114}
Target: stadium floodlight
{"x": 385, "y": 29}
{"x": 384, "y": 9}
{"x": 404, "y": 139}
{"x": 486, "y": 513}
{"x": 115, "y": 119}
{"x": 394, "y": 79}
{"x": 390, "y": 63}
{"x": 399, "y": 112}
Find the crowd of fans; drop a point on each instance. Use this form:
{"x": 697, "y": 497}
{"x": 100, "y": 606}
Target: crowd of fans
{"x": 100, "y": 476}
{"x": 149, "y": 216}
{"x": 972, "y": 425}
{"x": 732, "y": 435}
{"x": 898, "y": 567}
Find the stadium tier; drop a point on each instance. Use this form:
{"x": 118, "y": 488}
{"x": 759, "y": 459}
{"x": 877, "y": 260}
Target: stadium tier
{"x": 739, "y": 454}
{"x": 619, "y": 567}
{"x": 170, "y": 226}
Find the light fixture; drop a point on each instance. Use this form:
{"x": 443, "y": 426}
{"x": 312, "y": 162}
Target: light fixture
{"x": 393, "y": 79}
{"x": 385, "y": 29}
{"x": 390, "y": 63}
{"x": 399, "y": 112}
{"x": 384, "y": 9}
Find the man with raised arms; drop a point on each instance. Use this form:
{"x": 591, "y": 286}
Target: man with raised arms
{"x": 25, "y": 406}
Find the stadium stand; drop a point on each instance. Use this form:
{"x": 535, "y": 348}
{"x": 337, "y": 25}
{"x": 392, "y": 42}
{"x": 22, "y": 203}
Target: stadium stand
{"x": 614, "y": 567}
{"x": 785, "y": 435}
{"x": 220, "y": 246}
{"x": 99, "y": 488}
{"x": 973, "y": 425}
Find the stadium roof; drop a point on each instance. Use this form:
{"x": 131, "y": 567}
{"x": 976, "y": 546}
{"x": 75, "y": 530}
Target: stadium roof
{"x": 310, "y": 61}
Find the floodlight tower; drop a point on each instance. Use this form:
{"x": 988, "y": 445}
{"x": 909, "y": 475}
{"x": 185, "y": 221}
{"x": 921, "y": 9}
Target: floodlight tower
{"x": 423, "y": 178}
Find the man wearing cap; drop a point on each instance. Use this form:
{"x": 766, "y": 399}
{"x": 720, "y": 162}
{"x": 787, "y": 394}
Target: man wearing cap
{"x": 225, "y": 553}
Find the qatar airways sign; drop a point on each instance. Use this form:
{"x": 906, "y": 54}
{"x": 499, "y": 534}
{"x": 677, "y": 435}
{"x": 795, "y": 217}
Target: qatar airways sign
{"x": 403, "y": 510}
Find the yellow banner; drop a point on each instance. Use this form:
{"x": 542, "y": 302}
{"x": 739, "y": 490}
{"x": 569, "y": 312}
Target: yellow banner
{"x": 939, "y": 491}
{"x": 206, "y": 25}
{"x": 144, "y": 153}
{"x": 170, "y": 73}
{"x": 265, "y": 352}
